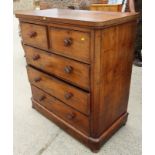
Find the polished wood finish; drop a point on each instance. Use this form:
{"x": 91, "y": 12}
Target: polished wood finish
{"x": 66, "y": 69}
{"x": 35, "y": 35}
{"x": 70, "y": 115}
{"x": 114, "y": 64}
{"x": 74, "y": 44}
{"x": 59, "y": 89}
{"x": 93, "y": 143}
{"x": 106, "y": 7}
{"x": 80, "y": 78}
{"x": 93, "y": 19}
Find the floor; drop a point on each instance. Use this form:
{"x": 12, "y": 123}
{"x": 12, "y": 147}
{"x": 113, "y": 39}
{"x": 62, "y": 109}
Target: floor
{"x": 36, "y": 135}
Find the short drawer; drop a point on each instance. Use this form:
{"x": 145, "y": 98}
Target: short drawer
{"x": 74, "y": 97}
{"x": 71, "y": 43}
{"x": 69, "y": 70}
{"x": 70, "y": 115}
{"x": 35, "y": 35}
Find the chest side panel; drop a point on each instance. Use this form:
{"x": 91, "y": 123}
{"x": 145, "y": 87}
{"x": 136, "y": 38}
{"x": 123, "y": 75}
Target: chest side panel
{"x": 116, "y": 56}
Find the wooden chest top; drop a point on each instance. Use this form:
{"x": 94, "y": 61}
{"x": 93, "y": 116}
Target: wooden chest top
{"x": 78, "y": 17}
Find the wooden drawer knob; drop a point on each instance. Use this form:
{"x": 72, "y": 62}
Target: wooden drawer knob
{"x": 71, "y": 116}
{"x": 37, "y": 79}
{"x": 68, "y": 42}
{"x": 41, "y": 98}
{"x": 36, "y": 57}
{"x": 32, "y": 34}
{"x": 68, "y": 95}
{"x": 68, "y": 69}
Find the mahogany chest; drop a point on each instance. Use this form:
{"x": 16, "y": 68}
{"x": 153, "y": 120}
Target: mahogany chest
{"x": 79, "y": 66}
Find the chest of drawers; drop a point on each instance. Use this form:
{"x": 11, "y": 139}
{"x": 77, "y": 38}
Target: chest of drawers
{"x": 79, "y": 68}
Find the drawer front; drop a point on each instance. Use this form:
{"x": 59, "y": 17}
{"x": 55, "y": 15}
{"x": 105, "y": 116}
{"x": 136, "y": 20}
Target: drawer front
{"x": 70, "y": 115}
{"x": 69, "y": 70}
{"x": 70, "y": 95}
{"x": 35, "y": 35}
{"x": 74, "y": 44}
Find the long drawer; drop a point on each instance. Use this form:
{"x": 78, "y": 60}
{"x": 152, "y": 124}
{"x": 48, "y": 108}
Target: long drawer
{"x": 69, "y": 70}
{"x": 70, "y": 115}
{"x": 70, "y": 95}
